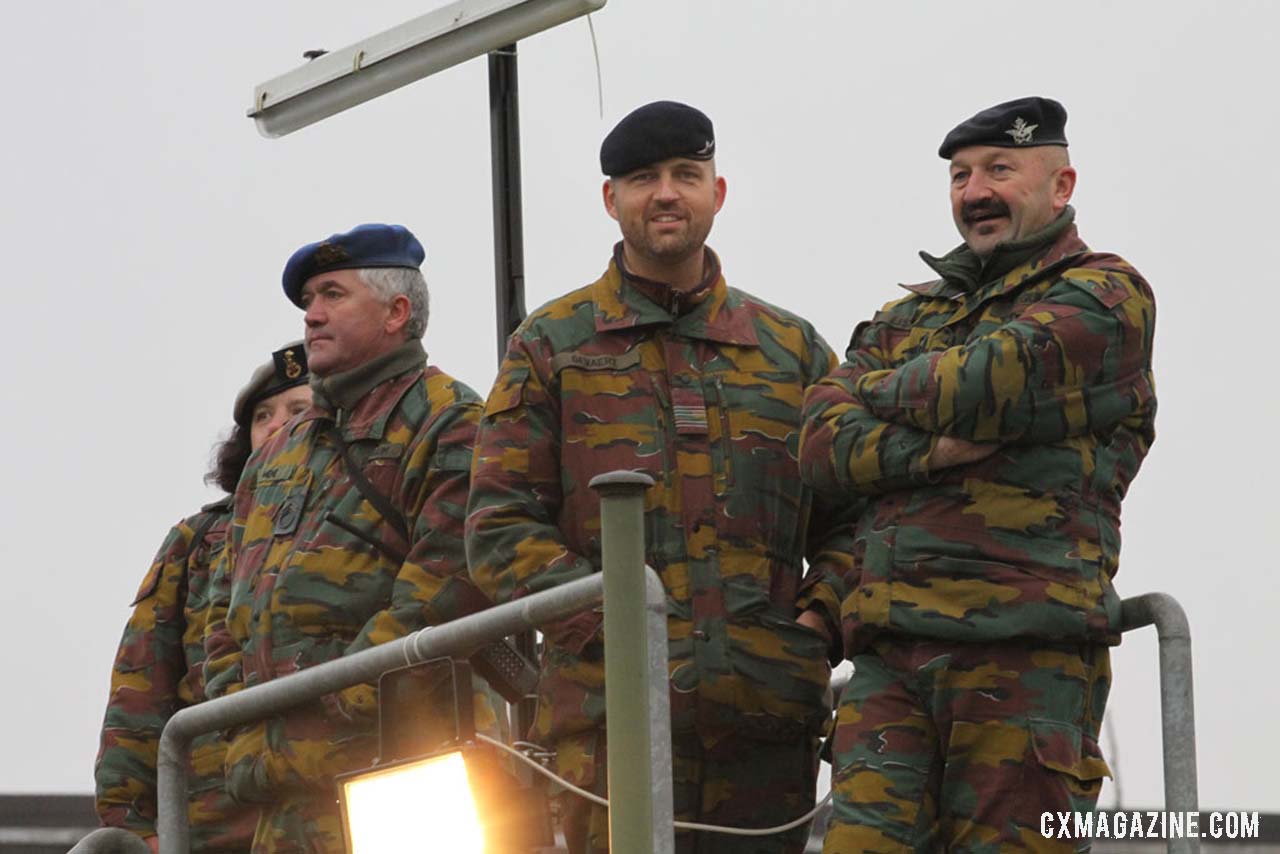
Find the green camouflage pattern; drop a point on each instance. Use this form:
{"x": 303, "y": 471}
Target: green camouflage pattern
{"x": 1053, "y": 362}
{"x": 157, "y": 672}
{"x": 734, "y": 783}
{"x": 303, "y": 580}
{"x": 702, "y": 391}
{"x": 298, "y": 824}
{"x": 942, "y": 746}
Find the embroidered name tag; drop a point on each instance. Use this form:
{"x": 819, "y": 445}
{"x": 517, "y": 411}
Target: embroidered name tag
{"x": 595, "y": 362}
{"x": 275, "y": 474}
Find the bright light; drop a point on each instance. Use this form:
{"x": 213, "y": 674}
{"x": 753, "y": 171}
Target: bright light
{"x": 418, "y": 806}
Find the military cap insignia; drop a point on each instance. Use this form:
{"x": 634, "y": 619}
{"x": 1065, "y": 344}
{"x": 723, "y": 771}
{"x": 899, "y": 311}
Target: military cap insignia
{"x": 291, "y": 363}
{"x": 1021, "y": 131}
{"x": 330, "y": 253}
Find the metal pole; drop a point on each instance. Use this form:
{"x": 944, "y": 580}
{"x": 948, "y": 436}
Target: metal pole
{"x": 459, "y": 637}
{"x": 508, "y": 223}
{"x": 508, "y": 260}
{"x": 1177, "y": 701}
{"x": 637, "y": 705}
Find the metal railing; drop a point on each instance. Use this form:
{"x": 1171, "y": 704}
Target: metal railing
{"x": 637, "y": 704}
{"x": 635, "y": 653}
{"x": 1177, "y": 701}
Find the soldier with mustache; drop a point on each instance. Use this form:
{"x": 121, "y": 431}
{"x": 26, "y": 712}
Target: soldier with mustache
{"x": 992, "y": 420}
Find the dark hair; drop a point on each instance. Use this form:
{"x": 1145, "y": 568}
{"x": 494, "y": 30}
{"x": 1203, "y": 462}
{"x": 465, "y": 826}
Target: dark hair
{"x": 229, "y": 457}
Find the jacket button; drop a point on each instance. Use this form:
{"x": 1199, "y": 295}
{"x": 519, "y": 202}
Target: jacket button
{"x": 701, "y": 635}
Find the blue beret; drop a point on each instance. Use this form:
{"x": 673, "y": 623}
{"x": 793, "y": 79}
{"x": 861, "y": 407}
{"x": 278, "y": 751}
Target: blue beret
{"x": 1024, "y": 123}
{"x": 657, "y": 132}
{"x": 369, "y": 245}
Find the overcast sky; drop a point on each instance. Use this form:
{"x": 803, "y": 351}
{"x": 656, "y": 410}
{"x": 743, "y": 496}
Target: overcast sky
{"x": 145, "y": 224}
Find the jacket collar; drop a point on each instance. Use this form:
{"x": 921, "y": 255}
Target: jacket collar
{"x": 222, "y": 505}
{"x": 360, "y": 400}
{"x": 1011, "y": 264}
{"x": 709, "y": 312}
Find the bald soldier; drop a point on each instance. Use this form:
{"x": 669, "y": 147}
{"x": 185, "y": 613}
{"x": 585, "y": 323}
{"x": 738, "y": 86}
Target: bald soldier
{"x": 991, "y": 419}
{"x": 659, "y": 366}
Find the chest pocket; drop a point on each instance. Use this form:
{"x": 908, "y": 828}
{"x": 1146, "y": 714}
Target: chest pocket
{"x": 755, "y": 441}
{"x": 926, "y": 331}
{"x": 280, "y": 497}
{"x": 1003, "y": 309}
{"x": 611, "y": 419}
{"x": 279, "y": 501}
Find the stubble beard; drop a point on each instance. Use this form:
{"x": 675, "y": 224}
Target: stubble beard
{"x": 668, "y": 250}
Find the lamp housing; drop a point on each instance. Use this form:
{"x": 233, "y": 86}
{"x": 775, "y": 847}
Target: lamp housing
{"x": 420, "y": 47}
{"x": 434, "y": 787}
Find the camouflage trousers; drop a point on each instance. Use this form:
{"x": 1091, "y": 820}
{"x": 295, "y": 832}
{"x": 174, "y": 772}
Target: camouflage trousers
{"x": 962, "y": 747}
{"x": 300, "y": 824}
{"x": 736, "y": 782}
{"x": 217, "y": 824}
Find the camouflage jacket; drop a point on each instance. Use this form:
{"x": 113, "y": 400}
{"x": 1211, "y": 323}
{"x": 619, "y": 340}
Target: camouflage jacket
{"x": 314, "y": 571}
{"x": 705, "y": 397}
{"x": 1053, "y": 362}
{"x": 157, "y": 672}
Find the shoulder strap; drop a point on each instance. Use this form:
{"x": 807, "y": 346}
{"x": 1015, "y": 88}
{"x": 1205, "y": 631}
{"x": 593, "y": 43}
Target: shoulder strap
{"x": 202, "y": 529}
{"x": 379, "y": 501}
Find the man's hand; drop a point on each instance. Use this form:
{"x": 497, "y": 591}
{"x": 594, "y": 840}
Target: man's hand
{"x": 951, "y": 451}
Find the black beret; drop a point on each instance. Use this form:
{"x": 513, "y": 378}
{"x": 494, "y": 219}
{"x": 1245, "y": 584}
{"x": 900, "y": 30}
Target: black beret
{"x": 363, "y": 247}
{"x": 656, "y": 132}
{"x": 287, "y": 368}
{"x": 1024, "y": 123}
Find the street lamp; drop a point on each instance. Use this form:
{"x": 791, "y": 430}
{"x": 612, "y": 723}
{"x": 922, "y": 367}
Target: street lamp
{"x": 343, "y": 78}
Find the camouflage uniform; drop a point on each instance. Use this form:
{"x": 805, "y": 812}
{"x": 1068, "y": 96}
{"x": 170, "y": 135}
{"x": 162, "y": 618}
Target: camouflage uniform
{"x": 984, "y": 605}
{"x": 158, "y": 670}
{"x": 701, "y": 390}
{"x": 314, "y": 571}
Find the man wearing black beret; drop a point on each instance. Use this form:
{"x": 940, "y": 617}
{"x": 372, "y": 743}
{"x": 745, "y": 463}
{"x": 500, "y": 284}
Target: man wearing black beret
{"x": 990, "y": 423}
{"x": 661, "y": 367}
{"x": 346, "y": 531}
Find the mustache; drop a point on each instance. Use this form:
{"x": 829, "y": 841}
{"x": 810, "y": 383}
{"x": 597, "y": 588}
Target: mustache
{"x": 983, "y": 208}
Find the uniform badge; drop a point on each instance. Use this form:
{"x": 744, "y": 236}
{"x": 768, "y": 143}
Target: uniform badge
{"x": 689, "y": 409}
{"x": 291, "y": 363}
{"x": 1021, "y": 131}
{"x": 290, "y": 512}
{"x": 330, "y": 253}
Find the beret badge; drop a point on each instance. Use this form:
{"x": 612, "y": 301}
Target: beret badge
{"x": 1021, "y": 131}
{"x": 330, "y": 253}
{"x": 288, "y": 365}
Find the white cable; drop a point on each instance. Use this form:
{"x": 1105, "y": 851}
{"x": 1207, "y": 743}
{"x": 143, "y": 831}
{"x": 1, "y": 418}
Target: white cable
{"x": 679, "y": 825}
{"x": 754, "y": 831}
{"x": 595, "y": 799}
{"x": 599, "y": 79}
